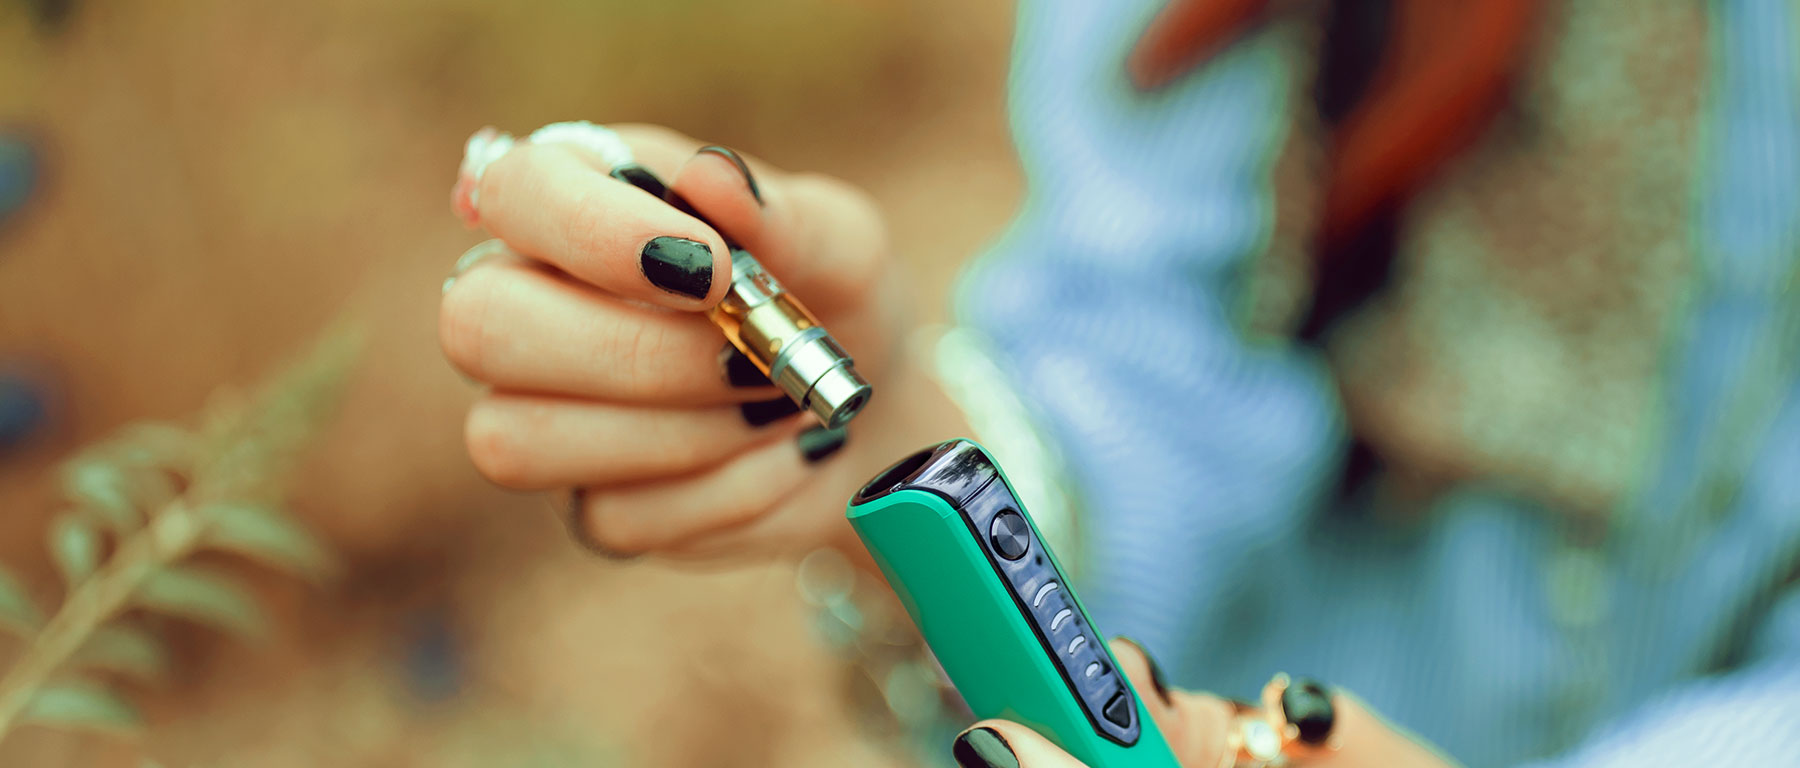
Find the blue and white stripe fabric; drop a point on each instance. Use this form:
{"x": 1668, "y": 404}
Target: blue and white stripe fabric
{"x": 1201, "y": 454}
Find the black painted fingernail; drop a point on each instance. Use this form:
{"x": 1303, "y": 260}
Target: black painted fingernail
{"x": 1307, "y": 704}
{"x": 768, "y": 411}
{"x": 641, "y": 177}
{"x": 739, "y": 371}
{"x": 1156, "y": 675}
{"x": 983, "y": 748}
{"x": 679, "y": 265}
{"x": 749, "y": 178}
{"x": 818, "y": 443}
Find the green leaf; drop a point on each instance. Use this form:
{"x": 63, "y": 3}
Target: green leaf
{"x": 157, "y": 444}
{"x": 102, "y": 488}
{"x": 129, "y": 651}
{"x": 204, "y": 597}
{"x": 151, "y": 487}
{"x": 76, "y": 546}
{"x": 17, "y": 612}
{"x": 81, "y": 706}
{"x": 268, "y": 536}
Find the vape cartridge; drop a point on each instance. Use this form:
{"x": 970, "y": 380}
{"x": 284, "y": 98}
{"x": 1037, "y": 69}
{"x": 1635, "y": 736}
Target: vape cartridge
{"x": 785, "y": 341}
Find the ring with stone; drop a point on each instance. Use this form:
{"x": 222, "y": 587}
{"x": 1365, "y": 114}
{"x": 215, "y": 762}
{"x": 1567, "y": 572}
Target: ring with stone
{"x": 1294, "y": 722}
{"x": 1301, "y": 710}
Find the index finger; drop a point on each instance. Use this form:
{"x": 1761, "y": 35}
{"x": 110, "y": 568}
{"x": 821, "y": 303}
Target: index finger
{"x": 549, "y": 204}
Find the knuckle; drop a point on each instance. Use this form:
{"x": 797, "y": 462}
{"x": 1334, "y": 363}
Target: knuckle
{"x": 588, "y": 230}
{"x": 637, "y": 356}
{"x": 496, "y": 181}
{"x": 742, "y": 513}
{"x": 463, "y": 323}
{"x": 494, "y": 446}
{"x": 645, "y": 350}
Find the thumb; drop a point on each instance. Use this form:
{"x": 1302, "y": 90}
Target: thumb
{"x": 1004, "y": 744}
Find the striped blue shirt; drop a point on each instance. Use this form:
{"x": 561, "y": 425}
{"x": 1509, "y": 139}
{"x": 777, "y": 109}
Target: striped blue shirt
{"x": 1203, "y": 457}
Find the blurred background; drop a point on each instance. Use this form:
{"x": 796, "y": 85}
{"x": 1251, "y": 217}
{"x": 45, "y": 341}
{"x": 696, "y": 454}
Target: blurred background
{"x": 193, "y": 191}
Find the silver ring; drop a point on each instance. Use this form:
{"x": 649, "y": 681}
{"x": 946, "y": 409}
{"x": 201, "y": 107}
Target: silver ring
{"x": 598, "y": 139}
{"x": 476, "y": 254}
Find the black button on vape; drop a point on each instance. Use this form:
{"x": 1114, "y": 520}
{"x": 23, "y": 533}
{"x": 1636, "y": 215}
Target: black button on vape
{"x": 1118, "y": 710}
{"x": 1010, "y": 535}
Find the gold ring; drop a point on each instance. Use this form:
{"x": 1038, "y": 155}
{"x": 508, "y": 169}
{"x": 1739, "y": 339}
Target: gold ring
{"x": 1294, "y": 722}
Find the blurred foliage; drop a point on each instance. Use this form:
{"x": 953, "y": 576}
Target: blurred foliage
{"x": 141, "y": 503}
{"x": 218, "y": 177}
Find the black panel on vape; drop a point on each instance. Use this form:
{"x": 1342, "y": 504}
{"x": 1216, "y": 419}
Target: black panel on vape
{"x": 1039, "y": 590}
{"x": 953, "y": 469}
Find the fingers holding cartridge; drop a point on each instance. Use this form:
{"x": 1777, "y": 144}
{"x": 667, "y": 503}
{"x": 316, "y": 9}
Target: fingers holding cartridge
{"x": 516, "y": 326}
{"x": 549, "y": 203}
{"x": 594, "y": 322}
{"x": 537, "y": 442}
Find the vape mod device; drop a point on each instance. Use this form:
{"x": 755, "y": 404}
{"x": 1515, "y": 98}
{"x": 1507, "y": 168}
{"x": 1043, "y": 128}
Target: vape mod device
{"x": 772, "y": 328}
{"x": 988, "y": 595}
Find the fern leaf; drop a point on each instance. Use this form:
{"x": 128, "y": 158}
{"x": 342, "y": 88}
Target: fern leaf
{"x": 17, "y": 612}
{"x": 128, "y": 651}
{"x": 204, "y": 597}
{"x": 101, "y": 488}
{"x": 268, "y": 536}
{"x": 152, "y": 487}
{"x": 76, "y": 547}
{"x": 156, "y": 444}
{"x": 81, "y": 706}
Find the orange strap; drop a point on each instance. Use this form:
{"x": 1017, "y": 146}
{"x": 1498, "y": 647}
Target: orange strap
{"x": 1443, "y": 76}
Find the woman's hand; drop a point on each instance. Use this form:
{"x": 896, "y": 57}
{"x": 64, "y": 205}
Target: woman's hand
{"x": 1198, "y": 727}
{"x": 603, "y": 375}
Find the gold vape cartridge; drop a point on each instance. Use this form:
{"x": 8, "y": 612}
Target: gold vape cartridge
{"x": 786, "y": 342}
